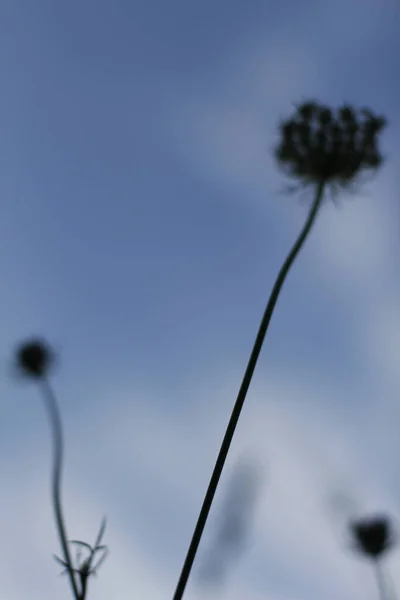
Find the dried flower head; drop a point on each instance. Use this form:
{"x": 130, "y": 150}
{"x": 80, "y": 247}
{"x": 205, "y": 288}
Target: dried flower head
{"x": 319, "y": 145}
{"x": 373, "y": 536}
{"x": 34, "y": 358}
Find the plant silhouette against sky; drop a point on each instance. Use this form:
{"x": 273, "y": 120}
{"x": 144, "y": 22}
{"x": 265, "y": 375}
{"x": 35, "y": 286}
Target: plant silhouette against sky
{"x": 325, "y": 150}
{"x": 372, "y": 538}
{"x": 34, "y": 359}
{"x": 321, "y": 149}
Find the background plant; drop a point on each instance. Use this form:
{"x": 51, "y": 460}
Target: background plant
{"x": 34, "y": 359}
{"x": 373, "y": 537}
{"x": 234, "y": 522}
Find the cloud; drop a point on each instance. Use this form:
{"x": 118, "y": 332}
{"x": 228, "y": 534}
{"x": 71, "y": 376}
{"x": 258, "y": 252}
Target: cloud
{"x": 357, "y": 239}
{"x": 381, "y": 341}
{"x": 310, "y": 449}
{"x": 27, "y": 568}
{"x": 144, "y": 457}
{"x": 223, "y": 133}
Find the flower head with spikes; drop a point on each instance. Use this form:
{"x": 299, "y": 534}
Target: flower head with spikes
{"x": 319, "y": 145}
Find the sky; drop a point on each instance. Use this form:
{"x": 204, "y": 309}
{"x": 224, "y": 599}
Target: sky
{"x": 143, "y": 224}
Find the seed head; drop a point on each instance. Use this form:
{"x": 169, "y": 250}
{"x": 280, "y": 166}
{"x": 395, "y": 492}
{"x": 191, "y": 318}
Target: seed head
{"x": 319, "y": 145}
{"x": 373, "y": 536}
{"x": 34, "y": 358}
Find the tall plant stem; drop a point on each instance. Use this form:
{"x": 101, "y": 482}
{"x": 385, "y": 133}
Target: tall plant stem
{"x": 241, "y": 397}
{"x": 58, "y": 451}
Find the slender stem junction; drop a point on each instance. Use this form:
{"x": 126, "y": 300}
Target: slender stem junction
{"x": 230, "y": 430}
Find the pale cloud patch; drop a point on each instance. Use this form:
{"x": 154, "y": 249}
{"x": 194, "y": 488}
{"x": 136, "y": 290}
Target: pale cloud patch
{"x": 27, "y": 568}
{"x": 222, "y": 133}
{"x": 308, "y": 453}
{"x": 357, "y": 239}
{"x": 308, "y": 448}
{"x": 381, "y": 341}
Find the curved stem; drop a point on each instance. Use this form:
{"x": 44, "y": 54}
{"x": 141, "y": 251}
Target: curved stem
{"x": 55, "y": 424}
{"x": 230, "y": 430}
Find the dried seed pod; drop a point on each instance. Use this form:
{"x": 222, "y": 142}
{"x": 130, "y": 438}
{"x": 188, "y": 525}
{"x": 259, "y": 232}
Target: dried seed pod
{"x": 373, "y": 536}
{"x": 34, "y": 358}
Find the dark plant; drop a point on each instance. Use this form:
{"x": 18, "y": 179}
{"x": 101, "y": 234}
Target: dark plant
{"x": 372, "y": 538}
{"x": 34, "y": 359}
{"x": 325, "y": 150}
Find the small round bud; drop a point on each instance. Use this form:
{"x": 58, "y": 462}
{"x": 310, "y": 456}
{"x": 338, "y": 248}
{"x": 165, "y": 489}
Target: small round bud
{"x": 372, "y": 536}
{"x": 34, "y": 358}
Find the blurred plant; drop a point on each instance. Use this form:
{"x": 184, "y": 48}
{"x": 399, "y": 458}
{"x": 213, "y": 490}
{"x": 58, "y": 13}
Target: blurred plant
{"x": 325, "y": 150}
{"x": 372, "y": 538}
{"x": 233, "y": 525}
{"x": 34, "y": 360}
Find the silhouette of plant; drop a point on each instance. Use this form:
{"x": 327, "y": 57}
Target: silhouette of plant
{"x": 372, "y": 538}
{"x": 325, "y": 150}
{"x": 34, "y": 360}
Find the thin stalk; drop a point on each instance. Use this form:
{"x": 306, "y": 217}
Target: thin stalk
{"x": 230, "y": 430}
{"x": 58, "y": 450}
{"x": 84, "y": 587}
{"x": 380, "y": 580}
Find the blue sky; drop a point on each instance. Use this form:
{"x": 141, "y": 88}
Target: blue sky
{"x": 143, "y": 222}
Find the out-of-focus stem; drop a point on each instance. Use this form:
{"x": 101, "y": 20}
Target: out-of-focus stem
{"x": 380, "y": 580}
